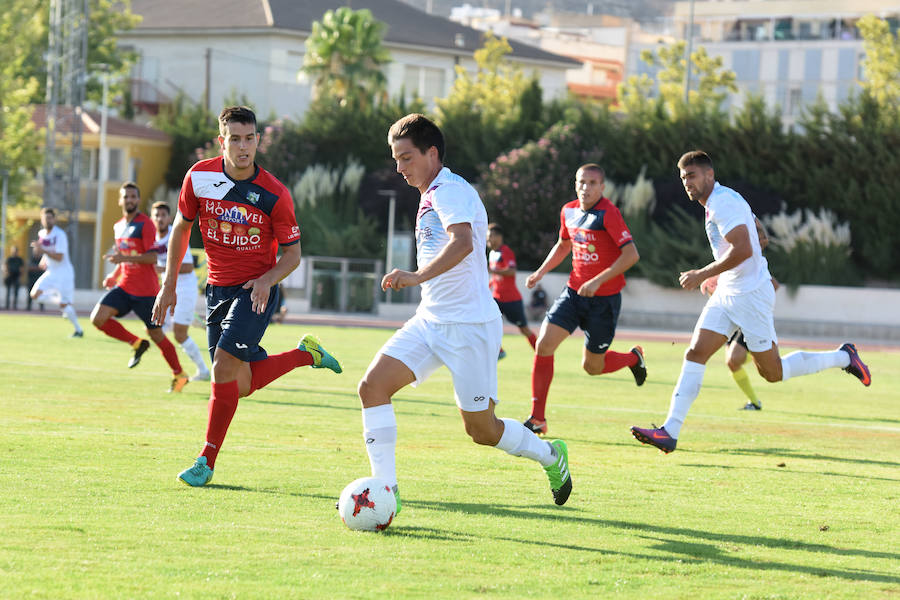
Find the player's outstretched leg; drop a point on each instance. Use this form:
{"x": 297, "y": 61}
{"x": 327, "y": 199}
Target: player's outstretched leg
{"x": 657, "y": 436}
{"x": 857, "y": 367}
{"x": 321, "y": 357}
{"x": 141, "y": 347}
{"x": 198, "y": 475}
{"x": 558, "y": 473}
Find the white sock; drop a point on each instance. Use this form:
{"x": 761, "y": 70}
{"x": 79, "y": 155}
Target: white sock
{"x": 686, "y": 391}
{"x": 796, "y": 364}
{"x": 191, "y": 348}
{"x": 69, "y": 313}
{"x": 380, "y": 434}
{"x": 518, "y": 440}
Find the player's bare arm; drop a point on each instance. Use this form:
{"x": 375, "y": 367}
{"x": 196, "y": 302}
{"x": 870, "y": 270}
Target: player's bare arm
{"x": 287, "y": 262}
{"x": 459, "y": 246}
{"x": 142, "y": 259}
{"x": 739, "y": 250}
{"x": 626, "y": 260}
{"x": 557, "y": 254}
{"x": 179, "y": 241}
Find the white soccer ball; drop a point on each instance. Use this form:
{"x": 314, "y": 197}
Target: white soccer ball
{"x": 367, "y": 504}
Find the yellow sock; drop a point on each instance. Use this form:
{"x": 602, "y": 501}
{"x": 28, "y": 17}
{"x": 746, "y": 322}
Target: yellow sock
{"x": 743, "y": 381}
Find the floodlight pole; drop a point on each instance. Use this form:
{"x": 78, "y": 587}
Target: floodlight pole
{"x": 102, "y": 175}
{"x": 392, "y": 207}
{"x": 687, "y": 58}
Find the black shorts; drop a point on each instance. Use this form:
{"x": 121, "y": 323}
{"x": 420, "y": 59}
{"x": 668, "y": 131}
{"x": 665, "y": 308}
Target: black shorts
{"x": 513, "y": 311}
{"x": 124, "y": 303}
{"x": 231, "y": 323}
{"x": 738, "y": 338}
{"x": 597, "y": 316}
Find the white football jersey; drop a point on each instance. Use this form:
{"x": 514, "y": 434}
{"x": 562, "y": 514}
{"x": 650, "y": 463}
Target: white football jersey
{"x": 725, "y": 210}
{"x": 56, "y": 241}
{"x": 461, "y": 294}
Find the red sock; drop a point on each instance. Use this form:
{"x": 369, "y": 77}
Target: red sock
{"x": 171, "y": 356}
{"x": 619, "y": 360}
{"x": 541, "y": 376}
{"x": 532, "y": 339}
{"x": 263, "y": 372}
{"x": 114, "y": 329}
{"x": 223, "y": 403}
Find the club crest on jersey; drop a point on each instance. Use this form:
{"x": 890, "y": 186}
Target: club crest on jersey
{"x": 253, "y": 197}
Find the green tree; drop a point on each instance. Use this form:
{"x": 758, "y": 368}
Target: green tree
{"x": 713, "y": 84}
{"x": 344, "y": 57}
{"x": 107, "y": 19}
{"x": 20, "y": 156}
{"x": 491, "y": 111}
{"x": 882, "y": 62}
{"x": 192, "y": 129}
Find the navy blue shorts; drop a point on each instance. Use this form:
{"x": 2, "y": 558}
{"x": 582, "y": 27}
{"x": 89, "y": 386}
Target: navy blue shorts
{"x": 124, "y": 303}
{"x": 597, "y": 317}
{"x": 513, "y": 311}
{"x": 231, "y": 323}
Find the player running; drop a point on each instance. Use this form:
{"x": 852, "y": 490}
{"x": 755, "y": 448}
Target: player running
{"x": 244, "y": 214}
{"x": 593, "y": 230}
{"x": 456, "y": 324}
{"x": 502, "y": 267}
{"x": 744, "y": 299}
{"x": 185, "y": 288}
{"x": 58, "y": 280}
{"x": 133, "y": 285}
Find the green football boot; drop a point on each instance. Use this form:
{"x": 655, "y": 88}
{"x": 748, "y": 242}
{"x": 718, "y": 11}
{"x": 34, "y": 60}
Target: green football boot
{"x": 197, "y": 475}
{"x": 321, "y": 358}
{"x": 558, "y": 473}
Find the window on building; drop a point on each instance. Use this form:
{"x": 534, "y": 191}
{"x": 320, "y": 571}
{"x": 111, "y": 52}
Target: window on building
{"x": 115, "y": 164}
{"x": 795, "y": 101}
{"x": 425, "y": 82}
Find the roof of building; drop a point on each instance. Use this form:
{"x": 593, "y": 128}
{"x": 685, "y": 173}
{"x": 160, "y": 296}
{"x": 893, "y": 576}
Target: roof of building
{"x": 406, "y": 24}
{"x": 90, "y": 120}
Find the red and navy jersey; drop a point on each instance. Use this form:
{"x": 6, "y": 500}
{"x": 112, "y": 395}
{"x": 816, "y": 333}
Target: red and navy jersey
{"x": 503, "y": 287}
{"x": 242, "y": 222}
{"x": 135, "y": 237}
{"x": 597, "y": 235}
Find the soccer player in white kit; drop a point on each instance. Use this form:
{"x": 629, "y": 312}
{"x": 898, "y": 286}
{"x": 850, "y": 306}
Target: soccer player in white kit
{"x": 457, "y": 322}
{"x": 58, "y": 281}
{"x": 185, "y": 288}
{"x": 744, "y": 299}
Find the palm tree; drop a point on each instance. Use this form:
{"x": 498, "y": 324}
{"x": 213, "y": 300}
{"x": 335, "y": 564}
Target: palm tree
{"x": 344, "y": 56}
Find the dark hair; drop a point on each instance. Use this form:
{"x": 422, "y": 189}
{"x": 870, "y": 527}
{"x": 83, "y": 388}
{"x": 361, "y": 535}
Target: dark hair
{"x": 132, "y": 185}
{"x": 697, "y": 158}
{"x": 47, "y": 210}
{"x": 420, "y": 131}
{"x": 236, "y": 114}
{"x": 592, "y": 167}
{"x": 161, "y": 204}
{"x": 495, "y": 228}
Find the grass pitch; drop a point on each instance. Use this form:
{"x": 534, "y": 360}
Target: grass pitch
{"x": 801, "y": 500}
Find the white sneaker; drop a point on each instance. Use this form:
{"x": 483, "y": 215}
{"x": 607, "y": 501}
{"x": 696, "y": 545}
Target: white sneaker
{"x": 201, "y": 376}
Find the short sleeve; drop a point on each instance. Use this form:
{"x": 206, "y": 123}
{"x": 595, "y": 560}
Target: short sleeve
{"x": 62, "y": 244}
{"x": 563, "y": 230}
{"x": 727, "y": 215}
{"x": 187, "y": 201}
{"x": 453, "y": 205}
{"x": 616, "y": 228}
{"x": 284, "y": 222}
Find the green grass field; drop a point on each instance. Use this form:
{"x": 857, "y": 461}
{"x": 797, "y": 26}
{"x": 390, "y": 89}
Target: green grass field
{"x": 801, "y": 500}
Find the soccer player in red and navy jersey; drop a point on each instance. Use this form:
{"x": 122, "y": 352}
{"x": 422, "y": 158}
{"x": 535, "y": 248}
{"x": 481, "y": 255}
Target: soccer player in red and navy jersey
{"x": 502, "y": 267}
{"x": 593, "y": 230}
{"x": 245, "y": 214}
{"x": 133, "y": 285}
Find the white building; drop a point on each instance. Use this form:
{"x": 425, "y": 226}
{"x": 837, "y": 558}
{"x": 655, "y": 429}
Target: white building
{"x": 789, "y": 51}
{"x": 213, "y": 50}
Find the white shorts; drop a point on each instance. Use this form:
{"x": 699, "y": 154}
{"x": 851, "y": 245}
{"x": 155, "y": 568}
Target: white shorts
{"x": 56, "y": 285}
{"x": 186, "y": 299}
{"x": 469, "y": 350}
{"x": 752, "y": 313}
